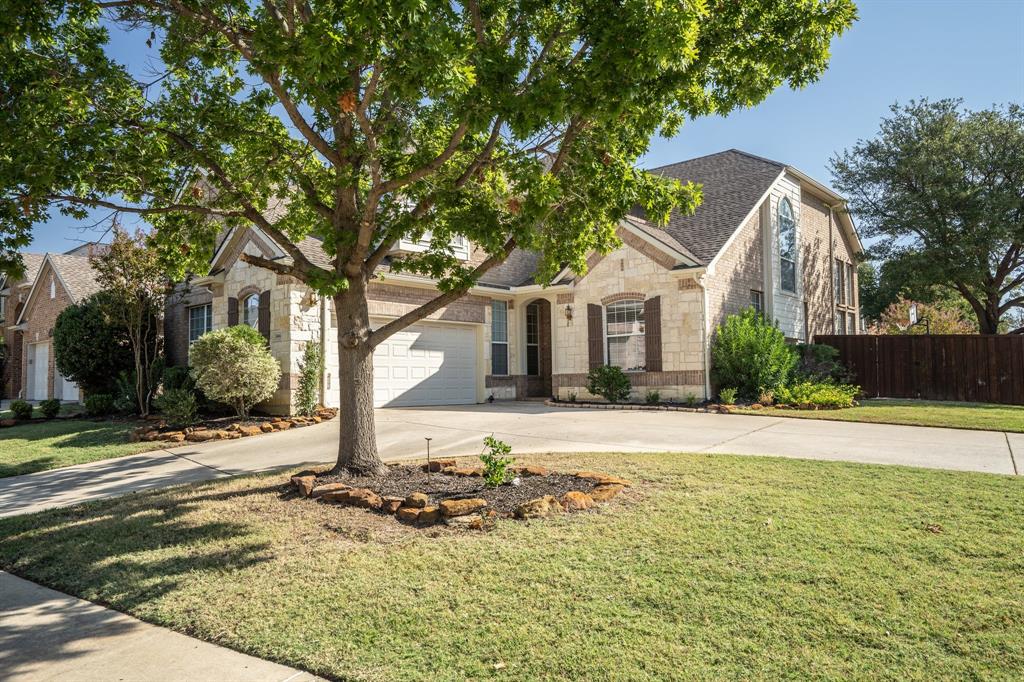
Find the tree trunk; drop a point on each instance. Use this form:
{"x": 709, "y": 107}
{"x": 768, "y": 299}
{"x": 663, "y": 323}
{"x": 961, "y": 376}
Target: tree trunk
{"x": 357, "y": 445}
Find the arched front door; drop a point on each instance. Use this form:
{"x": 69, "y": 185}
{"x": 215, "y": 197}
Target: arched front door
{"x": 538, "y": 349}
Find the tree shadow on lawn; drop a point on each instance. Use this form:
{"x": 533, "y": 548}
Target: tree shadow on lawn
{"x": 73, "y": 433}
{"x": 129, "y": 545}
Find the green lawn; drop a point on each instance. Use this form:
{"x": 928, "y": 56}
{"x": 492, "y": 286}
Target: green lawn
{"x": 65, "y": 409}
{"x": 712, "y": 567}
{"x": 39, "y": 445}
{"x": 916, "y": 413}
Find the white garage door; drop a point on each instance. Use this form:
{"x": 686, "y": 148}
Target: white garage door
{"x": 425, "y": 364}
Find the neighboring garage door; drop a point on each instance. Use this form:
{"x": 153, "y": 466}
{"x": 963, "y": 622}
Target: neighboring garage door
{"x": 39, "y": 371}
{"x": 425, "y": 364}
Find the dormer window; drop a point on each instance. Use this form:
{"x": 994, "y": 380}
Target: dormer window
{"x": 53, "y": 288}
{"x": 459, "y": 244}
{"x": 787, "y": 246}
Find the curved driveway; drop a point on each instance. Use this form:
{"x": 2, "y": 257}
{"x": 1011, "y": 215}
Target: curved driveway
{"x": 528, "y": 427}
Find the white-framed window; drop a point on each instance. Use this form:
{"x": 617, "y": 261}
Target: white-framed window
{"x": 3, "y": 308}
{"x": 533, "y": 340}
{"x": 499, "y": 338}
{"x": 251, "y": 311}
{"x": 787, "y": 246}
{"x": 851, "y": 323}
{"x": 840, "y": 322}
{"x": 200, "y": 321}
{"x": 624, "y": 335}
{"x": 53, "y": 287}
{"x": 849, "y": 284}
{"x": 840, "y": 281}
{"x": 757, "y": 300}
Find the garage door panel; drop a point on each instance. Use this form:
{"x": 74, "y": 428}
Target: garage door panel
{"x": 427, "y": 364}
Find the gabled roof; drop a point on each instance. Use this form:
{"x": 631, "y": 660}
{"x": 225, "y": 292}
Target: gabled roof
{"x": 75, "y": 274}
{"x": 733, "y": 184}
{"x": 32, "y": 262}
{"x": 516, "y": 271}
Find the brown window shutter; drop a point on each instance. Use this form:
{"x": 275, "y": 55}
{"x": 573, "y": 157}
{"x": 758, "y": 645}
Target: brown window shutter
{"x": 652, "y": 333}
{"x": 232, "y": 312}
{"x": 264, "y": 321}
{"x": 595, "y": 335}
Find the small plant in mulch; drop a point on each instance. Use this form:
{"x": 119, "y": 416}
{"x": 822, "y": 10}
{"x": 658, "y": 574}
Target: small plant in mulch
{"x": 461, "y": 496}
{"x": 496, "y": 464}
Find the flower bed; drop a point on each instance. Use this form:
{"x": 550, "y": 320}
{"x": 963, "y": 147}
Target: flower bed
{"x": 225, "y": 429}
{"x": 458, "y": 496}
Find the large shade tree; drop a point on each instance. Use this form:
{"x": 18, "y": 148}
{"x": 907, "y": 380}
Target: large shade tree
{"x": 942, "y": 188}
{"x": 512, "y": 123}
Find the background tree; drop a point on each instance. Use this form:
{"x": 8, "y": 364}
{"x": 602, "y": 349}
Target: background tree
{"x": 135, "y": 289}
{"x": 512, "y": 124}
{"x": 944, "y": 316}
{"x": 89, "y": 349}
{"x": 943, "y": 190}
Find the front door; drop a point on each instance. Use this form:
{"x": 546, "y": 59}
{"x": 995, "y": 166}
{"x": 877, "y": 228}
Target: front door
{"x": 538, "y": 349}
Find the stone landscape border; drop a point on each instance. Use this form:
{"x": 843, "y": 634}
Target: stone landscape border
{"x": 636, "y": 406}
{"x": 157, "y": 430}
{"x": 470, "y": 513}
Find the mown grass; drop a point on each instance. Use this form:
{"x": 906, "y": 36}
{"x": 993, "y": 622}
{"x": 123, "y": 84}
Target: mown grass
{"x": 39, "y": 445}
{"x": 712, "y": 567}
{"x": 984, "y": 416}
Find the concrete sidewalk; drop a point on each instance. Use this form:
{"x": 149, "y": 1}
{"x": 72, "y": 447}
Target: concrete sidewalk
{"x": 47, "y": 635}
{"x": 528, "y": 427}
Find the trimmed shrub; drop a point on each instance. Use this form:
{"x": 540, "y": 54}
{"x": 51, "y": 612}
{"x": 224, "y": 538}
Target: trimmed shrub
{"x": 50, "y": 408}
{"x": 311, "y": 368}
{"x": 99, "y": 404}
{"x": 750, "y": 354}
{"x": 235, "y": 367}
{"x": 178, "y": 377}
{"x": 820, "y": 363}
{"x": 652, "y": 397}
{"x": 811, "y": 395}
{"x": 727, "y": 396}
{"x": 609, "y": 382}
{"x": 178, "y": 407}
{"x": 88, "y": 349}
{"x": 21, "y": 410}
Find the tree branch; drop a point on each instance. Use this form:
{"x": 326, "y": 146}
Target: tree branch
{"x": 273, "y": 266}
{"x": 435, "y": 304}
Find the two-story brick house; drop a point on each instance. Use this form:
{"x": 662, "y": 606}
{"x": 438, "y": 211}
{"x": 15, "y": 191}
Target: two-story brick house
{"x": 766, "y": 236}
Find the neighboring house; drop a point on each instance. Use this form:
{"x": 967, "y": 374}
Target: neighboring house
{"x": 31, "y": 306}
{"x": 766, "y": 236}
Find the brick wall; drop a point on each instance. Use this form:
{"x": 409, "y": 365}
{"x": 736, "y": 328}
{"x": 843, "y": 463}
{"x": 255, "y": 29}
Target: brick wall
{"x": 13, "y": 343}
{"x": 738, "y": 270}
{"x": 40, "y": 315}
{"x": 176, "y": 321}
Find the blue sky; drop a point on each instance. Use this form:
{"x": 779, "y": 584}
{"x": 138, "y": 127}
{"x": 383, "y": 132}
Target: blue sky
{"x": 899, "y": 50}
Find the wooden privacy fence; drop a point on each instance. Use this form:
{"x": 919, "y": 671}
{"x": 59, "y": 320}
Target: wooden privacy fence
{"x": 977, "y": 368}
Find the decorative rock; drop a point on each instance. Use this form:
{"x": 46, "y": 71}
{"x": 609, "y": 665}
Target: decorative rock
{"x": 606, "y": 491}
{"x": 756, "y": 406}
{"x": 438, "y": 464}
{"x": 534, "y": 470}
{"x": 175, "y": 437}
{"x": 417, "y": 500}
{"x": 304, "y": 484}
{"x": 600, "y": 477}
{"x": 452, "y": 508}
{"x": 574, "y": 500}
{"x": 469, "y": 471}
{"x": 250, "y": 429}
{"x": 200, "y": 436}
{"x": 391, "y": 505}
{"x": 8, "y": 422}
{"x": 281, "y": 425}
{"x": 321, "y": 490}
{"x": 266, "y": 427}
{"x": 408, "y": 514}
{"x": 474, "y": 522}
{"x": 364, "y": 498}
{"x": 538, "y": 508}
{"x": 429, "y": 515}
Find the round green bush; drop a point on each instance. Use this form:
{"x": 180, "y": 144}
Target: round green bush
{"x": 50, "y": 408}
{"x": 88, "y": 349}
{"x": 99, "y": 404}
{"x": 751, "y": 355}
{"x": 235, "y": 367}
{"x": 21, "y": 410}
{"x": 609, "y": 382}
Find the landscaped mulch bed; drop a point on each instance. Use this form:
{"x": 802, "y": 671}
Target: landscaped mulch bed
{"x": 441, "y": 491}
{"x": 225, "y": 428}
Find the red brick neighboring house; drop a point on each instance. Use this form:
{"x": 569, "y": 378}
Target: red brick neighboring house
{"x": 59, "y": 280}
{"x": 13, "y": 294}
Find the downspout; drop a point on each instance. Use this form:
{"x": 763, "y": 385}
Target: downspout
{"x": 832, "y": 268}
{"x": 702, "y": 280}
{"x": 324, "y": 321}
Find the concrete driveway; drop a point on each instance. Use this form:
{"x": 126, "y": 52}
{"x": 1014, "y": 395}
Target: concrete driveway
{"x": 528, "y": 427}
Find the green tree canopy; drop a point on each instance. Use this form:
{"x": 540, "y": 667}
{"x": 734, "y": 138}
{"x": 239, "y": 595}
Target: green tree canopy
{"x": 90, "y": 348}
{"x": 942, "y": 189}
{"x": 512, "y": 123}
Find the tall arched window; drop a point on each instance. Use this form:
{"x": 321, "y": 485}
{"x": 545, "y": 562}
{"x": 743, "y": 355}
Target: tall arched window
{"x": 787, "y": 246}
{"x": 251, "y": 311}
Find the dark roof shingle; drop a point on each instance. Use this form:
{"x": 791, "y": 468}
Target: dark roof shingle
{"x": 733, "y": 181}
